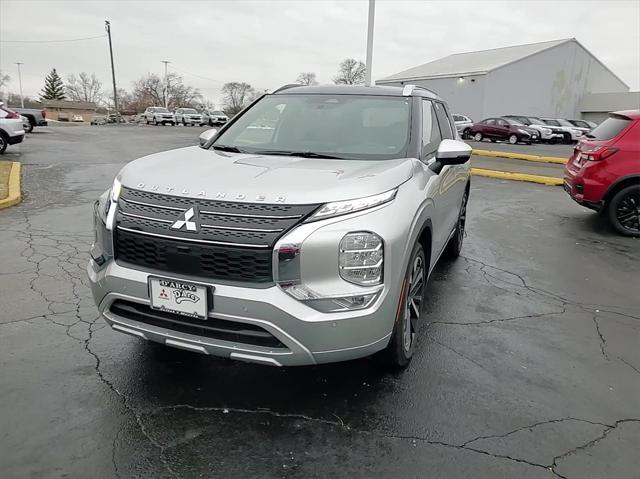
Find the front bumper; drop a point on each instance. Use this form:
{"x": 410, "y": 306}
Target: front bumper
{"x": 310, "y": 337}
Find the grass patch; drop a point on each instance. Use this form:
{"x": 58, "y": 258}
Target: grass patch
{"x": 5, "y": 170}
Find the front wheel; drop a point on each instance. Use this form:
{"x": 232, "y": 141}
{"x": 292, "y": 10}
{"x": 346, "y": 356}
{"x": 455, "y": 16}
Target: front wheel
{"x": 477, "y": 136}
{"x": 402, "y": 344}
{"x": 455, "y": 243}
{"x": 3, "y": 143}
{"x": 624, "y": 211}
{"x": 513, "y": 139}
{"x": 28, "y": 128}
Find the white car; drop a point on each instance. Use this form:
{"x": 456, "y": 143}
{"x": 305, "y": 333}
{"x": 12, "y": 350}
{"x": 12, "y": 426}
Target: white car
{"x": 189, "y": 116}
{"x": 574, "y": 133}
{"x": 159, "y": 115}
{"x": 463, "y": 123}
{"x": 77, "y": 118}
{"x": 214, "y": 117}
{"x": 11, "y": 128}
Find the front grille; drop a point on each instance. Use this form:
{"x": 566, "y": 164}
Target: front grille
{"x": 214, "y": 328}
{"x": 234, "y": 241}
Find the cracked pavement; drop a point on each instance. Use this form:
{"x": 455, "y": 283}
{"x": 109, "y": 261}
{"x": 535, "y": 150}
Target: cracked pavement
{"x": 528, "y": 362}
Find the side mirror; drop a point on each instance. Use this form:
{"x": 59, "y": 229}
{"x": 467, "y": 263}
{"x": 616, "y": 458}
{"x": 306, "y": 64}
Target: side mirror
{"x": 453, "y": 152}
{"x": 207, "y": 135}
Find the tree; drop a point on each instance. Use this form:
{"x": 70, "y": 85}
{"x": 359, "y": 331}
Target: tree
{"x": 307, "y": 78}
{"x": 236, "y": 96}
{"x": 350, "y": 72}
{"x": 13, "y": 100}
{"x": 151, "y": 90}
{"x": 53, "y": 87}
{"x": 4, "y": 79}
{"x": 84, "y": 88}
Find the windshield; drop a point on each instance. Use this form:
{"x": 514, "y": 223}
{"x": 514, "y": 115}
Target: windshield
{"x": 565, "y": 123}
{"x": 189, "y": 110}
{"x": 551, "y": 122}
{"x": 513, "y": 122}
{"x": 336, "y": 126}
{"x": 161, "y": 110}
{"x": 609, "y": 128}
{"x": 580, "y": 123}
{"x": 535, "y": 121}
{"x": 216, "y": 112}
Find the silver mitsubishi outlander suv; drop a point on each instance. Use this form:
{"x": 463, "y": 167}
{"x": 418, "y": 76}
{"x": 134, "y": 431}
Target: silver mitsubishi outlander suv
{"x": 302, "y": 232}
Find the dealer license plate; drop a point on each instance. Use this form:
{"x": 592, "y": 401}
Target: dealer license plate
{"x": 178, "y": 297}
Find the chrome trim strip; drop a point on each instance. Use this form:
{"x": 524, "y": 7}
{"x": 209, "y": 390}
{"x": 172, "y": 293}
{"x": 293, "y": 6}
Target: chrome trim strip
{"x": 192, "y": 240}
{"x": 355, "y": 347}
{"x": 233, "y": 228}
{"x": 146, "y": 218}
{"x": 151, "y": 205}
{"x": 243, "y": 215}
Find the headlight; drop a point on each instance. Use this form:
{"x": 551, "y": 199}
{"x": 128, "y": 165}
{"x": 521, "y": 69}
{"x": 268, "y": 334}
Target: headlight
{"x": 547, "y": 131}
{"x": 338, "y": 208}
{"x": 361, "y": 258}
{"x": 524, "y": 132}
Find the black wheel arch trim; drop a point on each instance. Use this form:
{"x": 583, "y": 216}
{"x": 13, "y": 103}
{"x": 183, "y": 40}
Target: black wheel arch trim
{"x": 620, "y": 183}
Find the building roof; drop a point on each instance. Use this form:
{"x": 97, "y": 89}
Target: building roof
{"x": 473, "y": 63}
{"x": 69, "y": 105}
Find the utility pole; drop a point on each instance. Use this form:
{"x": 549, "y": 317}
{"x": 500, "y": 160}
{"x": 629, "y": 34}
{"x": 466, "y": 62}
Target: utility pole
{"x": 372, "y": 11}
{"x": 166, "y": 83}
{"x": 20, "y": 83}
{"x": 107, "y": 27}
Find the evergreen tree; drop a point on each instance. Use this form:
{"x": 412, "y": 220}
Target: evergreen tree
{"x": 53, "y": 87}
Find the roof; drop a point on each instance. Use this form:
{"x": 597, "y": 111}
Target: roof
{"x": 610, "y": 101}
{"x": 473, "y": 63}
{"x": 69, "y": 105}
{"x": 353, "y": 90}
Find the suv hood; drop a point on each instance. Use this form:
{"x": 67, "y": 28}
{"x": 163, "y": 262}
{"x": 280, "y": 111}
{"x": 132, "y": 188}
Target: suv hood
{"x": 198, "y": 173}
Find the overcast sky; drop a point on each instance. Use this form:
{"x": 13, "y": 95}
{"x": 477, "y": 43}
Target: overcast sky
{"x": 268, "y": 43}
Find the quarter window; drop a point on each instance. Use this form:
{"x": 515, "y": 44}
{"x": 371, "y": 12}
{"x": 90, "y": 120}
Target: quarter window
{"x": 431, "y": 136}
{"x": 443, "y": 120}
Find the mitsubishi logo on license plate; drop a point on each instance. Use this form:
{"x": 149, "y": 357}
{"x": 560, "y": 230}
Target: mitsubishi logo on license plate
{"x": 187, "y": 220}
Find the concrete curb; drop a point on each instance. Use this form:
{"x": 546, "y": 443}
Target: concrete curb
{"x": 15, "y": 196}
{"x": 506, "y": 175}
{"x": 520, "y": 156}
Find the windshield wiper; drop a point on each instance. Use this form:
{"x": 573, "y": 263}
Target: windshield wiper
{"x": 589, "y": 135}
{"x": 233, "y": 149}
{"x": 302, "y": 154}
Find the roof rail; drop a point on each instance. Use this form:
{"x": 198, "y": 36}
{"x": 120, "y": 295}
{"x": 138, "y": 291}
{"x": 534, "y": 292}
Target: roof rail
{"x": 408, "y": 90}
{"x": 286, "y": 87}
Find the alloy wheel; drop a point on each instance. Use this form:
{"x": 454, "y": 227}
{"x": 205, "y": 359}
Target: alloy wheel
{"x": 413, "y": 302}
{"x": 628, "y": 211}
{"x": 513, "y": 139}
{"x": 478, "y": 137}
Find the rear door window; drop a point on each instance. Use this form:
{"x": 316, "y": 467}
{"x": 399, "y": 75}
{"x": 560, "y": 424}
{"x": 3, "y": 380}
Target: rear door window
{"x": 609, "y": 128}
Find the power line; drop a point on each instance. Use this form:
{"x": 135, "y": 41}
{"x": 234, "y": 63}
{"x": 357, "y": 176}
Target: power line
{"x": 53, "y": 41}
{"x": 198, "y": 76}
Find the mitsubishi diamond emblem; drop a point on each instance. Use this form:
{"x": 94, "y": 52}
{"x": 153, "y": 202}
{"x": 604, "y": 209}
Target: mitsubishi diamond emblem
{"x": 185, "y": 221}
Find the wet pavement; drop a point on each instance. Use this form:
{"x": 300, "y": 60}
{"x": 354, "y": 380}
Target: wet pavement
{"x": 527, "y": 365}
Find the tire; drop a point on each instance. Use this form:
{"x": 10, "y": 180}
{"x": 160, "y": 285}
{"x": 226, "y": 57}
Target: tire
{"x": 465, "y": 133}
{"x": 624, "y": 211}
{"x": 567, "y": 138}
{"x": 513, "y": 139}
{"x": 478, "y": 136}
{"x": 155, "y": 121}
{"x": 29, "y": 128}
{"x": 401, "y": 347}
{"x": 452, "y": 251}
{"x": 184, "y": 123}
{"x": 4, "y": 142}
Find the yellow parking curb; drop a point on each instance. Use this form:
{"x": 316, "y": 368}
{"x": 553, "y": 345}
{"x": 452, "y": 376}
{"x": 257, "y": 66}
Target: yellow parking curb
{"x": 15, "y": 196}
{"x": 507, "y": 175}
{"x": 520, "y": 156}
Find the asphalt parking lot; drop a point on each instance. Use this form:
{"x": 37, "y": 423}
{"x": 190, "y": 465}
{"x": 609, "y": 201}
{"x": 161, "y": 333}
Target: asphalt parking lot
{"x": 527, "y": 366}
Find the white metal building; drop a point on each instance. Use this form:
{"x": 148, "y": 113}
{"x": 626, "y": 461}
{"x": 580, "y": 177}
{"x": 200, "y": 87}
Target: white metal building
{"x": 538, "y": 79}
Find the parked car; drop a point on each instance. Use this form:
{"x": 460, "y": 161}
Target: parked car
{"x": 299, "y": 265}
{"x": 26, "y": 124}
{"x": 547, "y": 133}
{"x": 463, "y": 123}
{"x": 571, "y": 133}
{"x": 502, "y": 129}
{"x": 189, "y": 116}
{"x": 11, "y": 128}
{"x": 604, "y": 171}
{"x": 36, "y": 117}
{"x": 159, "y": 115}
{"x": 214, "y": 117}
{"x": 583, "y": 124}
{"x": 99, "y": 120}
{"x": 63, "y": 116}
{"x": 77, "y": 118}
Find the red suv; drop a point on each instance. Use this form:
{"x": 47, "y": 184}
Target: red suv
{"x": 604, "y": 171}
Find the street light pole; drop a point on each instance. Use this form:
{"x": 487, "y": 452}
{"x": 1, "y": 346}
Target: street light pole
{"x": 107, "y": 27}
{"x": 20, "y": 83}
{"x": 372, "y": 11}
{"x": 166, "y": 83}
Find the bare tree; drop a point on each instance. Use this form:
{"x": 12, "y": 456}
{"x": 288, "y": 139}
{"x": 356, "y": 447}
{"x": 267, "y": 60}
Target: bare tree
{"x": 307, "y": 78}
{"x": 151, "y": 90}
{"x": 350, "y": 72}
{"x": 13, "y": 100}
{"x": 236, "y": 96}
{"x": 84, "y": 88}
{"x": 4, "y": 79}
